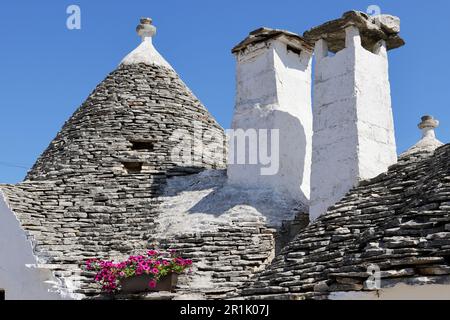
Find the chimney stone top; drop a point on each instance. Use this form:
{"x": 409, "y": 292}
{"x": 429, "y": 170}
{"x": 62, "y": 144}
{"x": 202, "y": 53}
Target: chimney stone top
{"x": 372, "y": 29}
{"x": 264, "y": 34}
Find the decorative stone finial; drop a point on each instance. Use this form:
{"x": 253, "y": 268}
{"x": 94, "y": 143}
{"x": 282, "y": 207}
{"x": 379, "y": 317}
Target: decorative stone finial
{"x": 428, "y": 125}
{"x": 428, "y": 143}
{"x": 145, "y": 29}
{"x": 146, "y": 52}
{"x": 428, "y": 122}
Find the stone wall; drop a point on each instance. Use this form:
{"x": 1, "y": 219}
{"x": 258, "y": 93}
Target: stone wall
{"x": 225, "y": 259}
{"x": 20, "y": 275}
{"x": 229, "y": 232}
{"x": 93, "y": 192}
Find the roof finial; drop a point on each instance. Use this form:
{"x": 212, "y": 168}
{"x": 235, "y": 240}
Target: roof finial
{"x": 428, "y": 125}
{"x": 145, "y": 29}
{"x": 146, "y": 52}
{"x": 428, "y": 143}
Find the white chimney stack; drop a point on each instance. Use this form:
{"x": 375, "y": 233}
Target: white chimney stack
{"x": 353, "y": 123}
{"x": 273, "y": 93}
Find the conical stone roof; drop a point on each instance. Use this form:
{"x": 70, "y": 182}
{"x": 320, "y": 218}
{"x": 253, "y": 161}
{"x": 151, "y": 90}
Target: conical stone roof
{"x": 92, "y": 193}
{"x": 139, "y": 113}
{"x": 135, "y": 103}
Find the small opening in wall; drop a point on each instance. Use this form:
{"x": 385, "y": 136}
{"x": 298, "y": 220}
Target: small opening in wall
{"x": 142, "y": 145}
{"x": 293, "y": 50}
{"x": 447, "y": 259}
{"x": 2, "y": 294}
{"x": 133, "y": 167}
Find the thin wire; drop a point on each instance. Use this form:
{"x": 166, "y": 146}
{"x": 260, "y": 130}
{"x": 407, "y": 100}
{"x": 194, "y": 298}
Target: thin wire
{"x": 8, "y": 164}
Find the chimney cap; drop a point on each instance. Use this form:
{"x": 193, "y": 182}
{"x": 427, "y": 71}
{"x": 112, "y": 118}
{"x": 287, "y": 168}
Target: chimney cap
{"x": 264, "y": 34}
{"x": 372, "y": 29}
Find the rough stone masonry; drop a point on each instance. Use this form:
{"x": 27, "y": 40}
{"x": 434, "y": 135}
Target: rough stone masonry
{"x": 118, "y": 179}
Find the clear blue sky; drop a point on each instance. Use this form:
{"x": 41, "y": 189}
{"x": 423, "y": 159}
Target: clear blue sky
{"x": 47, "y": 71}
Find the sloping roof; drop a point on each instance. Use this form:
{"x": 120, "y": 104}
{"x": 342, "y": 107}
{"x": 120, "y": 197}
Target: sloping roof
{"x": 136, "y": 102}
{"x": 79, "y": 200}
{"x": 399, "y": 221}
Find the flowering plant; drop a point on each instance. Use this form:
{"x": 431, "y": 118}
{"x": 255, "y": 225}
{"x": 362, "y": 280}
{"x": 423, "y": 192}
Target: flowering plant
{"x": 156, "y": 264}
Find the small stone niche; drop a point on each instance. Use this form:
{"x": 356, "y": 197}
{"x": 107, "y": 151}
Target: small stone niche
{"x": 133, "y": 167}
{"x": 293, "y": 50}
{"x": 142, "y": 145}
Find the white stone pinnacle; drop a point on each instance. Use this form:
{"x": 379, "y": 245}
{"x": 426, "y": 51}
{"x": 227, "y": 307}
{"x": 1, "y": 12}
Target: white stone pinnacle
{"x": 146, "y": 52}
{"x": 145, "y": 29}
{"x": 428, "y": 143}
{"x": 427, "y": 126}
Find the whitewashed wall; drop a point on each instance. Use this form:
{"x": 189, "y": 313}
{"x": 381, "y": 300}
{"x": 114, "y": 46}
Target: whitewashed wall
{"x": 353, "y": 124}
{"x": 274, "y": 92}
{"x": 399, "y": 292}
{"x": 19, "y": 276}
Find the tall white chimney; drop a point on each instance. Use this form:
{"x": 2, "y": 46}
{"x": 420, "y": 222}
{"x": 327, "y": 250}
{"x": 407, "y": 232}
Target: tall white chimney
{"x": 273, "y": 92}
{"x": 353, "y": 124}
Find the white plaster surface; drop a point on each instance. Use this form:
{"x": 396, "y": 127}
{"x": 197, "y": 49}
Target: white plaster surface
{"x": 353, "y": 123}
{"x": 274, "y": 92}
{"x": 399, "y": 292}
{"x": 20, "y": 274}
{"x": 205, "y": 201}
{"x": 147, "y": 54}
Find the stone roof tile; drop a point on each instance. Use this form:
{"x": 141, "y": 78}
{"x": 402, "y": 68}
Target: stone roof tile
{"x": 82, "y": 198}
{"x": 400, "y": 223}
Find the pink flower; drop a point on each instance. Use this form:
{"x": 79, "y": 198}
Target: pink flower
{"x": 152, "y": 253}
{"x": 109, "y": 272}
